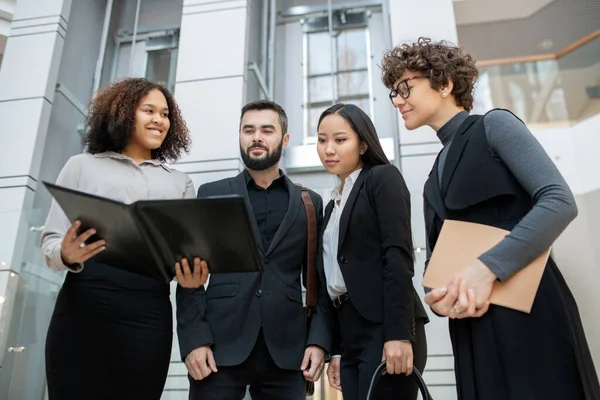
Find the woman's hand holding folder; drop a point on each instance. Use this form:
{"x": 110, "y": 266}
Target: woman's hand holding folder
{"x": 456, "y": 300}
{"x": 73, "y": 249}
{"x": 474, "y": 293}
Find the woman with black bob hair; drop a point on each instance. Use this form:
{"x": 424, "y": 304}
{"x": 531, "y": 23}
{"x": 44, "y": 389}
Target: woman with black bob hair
{"x": 366, "y": 260}
{"x": 111, "y": 331}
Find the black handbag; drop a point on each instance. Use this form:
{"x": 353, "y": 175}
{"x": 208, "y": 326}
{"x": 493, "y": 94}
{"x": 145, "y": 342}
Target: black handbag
{"x": 415, "y": 374}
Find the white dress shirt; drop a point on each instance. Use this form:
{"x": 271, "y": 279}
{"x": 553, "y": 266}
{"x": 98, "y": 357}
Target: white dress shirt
{"x": 333, "y": 274}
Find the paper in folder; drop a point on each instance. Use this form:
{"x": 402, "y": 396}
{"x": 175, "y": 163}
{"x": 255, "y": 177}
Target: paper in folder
{"x": 458, "y": 247}
{"x": 147, "y": 237}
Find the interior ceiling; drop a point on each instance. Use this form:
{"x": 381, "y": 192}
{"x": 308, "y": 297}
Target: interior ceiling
{"x": 287, "y": 4}
{"x": 466, "y": 11}
{"x": 548, "y": 30}
{"x": 492, "y": 29}
{"x": 469, "y": 12}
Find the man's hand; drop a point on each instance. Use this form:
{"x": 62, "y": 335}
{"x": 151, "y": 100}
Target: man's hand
{"x": 333, "y": 373}
{"x": 188, "y": 279}
{"x": 200, "y": 363}
{"x": 313, "y": 363}
{"x": 398, "y": 355}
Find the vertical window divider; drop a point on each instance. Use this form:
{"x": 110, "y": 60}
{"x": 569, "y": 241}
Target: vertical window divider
{"x": 370, "y": 70}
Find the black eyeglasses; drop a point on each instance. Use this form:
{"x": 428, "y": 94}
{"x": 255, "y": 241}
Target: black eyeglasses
{"x": 403, "y": 89}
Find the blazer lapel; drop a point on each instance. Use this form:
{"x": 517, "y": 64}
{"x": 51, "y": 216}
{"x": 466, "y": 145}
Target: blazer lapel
{"x": 239, "y": 187}
{"x": 455, "y": 152}
{"x": 327, "y": 216}
{"x": 294, "y": 204}
{"x": 345, "y": 217}
{"x": 432, "y": 192}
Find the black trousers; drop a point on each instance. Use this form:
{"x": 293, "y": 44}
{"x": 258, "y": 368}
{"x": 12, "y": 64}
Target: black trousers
{"x": 266, "y": 380}
{"x": 110, "y": 337}
{"x": 362, "y": 349}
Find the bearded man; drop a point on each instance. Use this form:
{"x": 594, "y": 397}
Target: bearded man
{"x": 247, "y": 329}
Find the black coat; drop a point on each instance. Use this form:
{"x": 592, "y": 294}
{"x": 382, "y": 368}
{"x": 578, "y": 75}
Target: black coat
{"x": 375, "y": 251}
{"x": 229, "y": 314}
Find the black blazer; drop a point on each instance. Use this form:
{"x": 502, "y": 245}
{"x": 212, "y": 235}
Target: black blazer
{"x": 230, "y": 312}
{"x": 375, "y": 251}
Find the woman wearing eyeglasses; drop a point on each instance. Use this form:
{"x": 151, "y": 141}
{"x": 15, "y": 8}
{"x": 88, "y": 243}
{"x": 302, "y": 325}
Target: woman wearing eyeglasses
{"x": 493, "y": 171}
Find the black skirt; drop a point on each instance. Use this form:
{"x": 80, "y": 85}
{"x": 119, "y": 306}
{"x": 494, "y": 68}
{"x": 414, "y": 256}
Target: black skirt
{"x": 509, "y": 355}
{"x": 110, "y": 336}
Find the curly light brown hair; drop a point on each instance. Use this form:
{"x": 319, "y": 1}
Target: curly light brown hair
{"x": 440, "y": 61}
{"x": 111, "y": 120}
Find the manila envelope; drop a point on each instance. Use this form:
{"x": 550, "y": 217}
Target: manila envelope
{"x": 458, "y": 247}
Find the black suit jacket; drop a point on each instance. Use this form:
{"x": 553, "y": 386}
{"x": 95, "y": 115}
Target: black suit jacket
{"x": 230, "y": 312}
{"x": 375, "y": 251}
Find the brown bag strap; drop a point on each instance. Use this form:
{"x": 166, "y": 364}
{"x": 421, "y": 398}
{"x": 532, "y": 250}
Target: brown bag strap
{"x": 311, "y": 252}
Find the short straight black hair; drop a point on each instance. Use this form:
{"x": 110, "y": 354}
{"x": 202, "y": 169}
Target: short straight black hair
{"x": 260, "y": 105}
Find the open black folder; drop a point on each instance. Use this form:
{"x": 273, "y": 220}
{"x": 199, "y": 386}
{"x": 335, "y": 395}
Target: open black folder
{"x": 147, "y": 237}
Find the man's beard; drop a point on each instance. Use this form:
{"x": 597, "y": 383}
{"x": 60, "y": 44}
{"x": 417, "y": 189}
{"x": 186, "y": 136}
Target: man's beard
{"x": 265, "y": 162}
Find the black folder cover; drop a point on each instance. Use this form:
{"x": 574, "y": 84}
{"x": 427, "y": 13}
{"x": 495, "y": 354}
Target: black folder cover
{"x": 147, "y": 237}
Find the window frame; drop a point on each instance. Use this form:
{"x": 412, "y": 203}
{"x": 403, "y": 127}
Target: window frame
{"x": 309, "y": 28}
{"x": 141, "y": 37}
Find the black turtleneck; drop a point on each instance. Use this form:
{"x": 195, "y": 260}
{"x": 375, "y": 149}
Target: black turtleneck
{"x": 446, "y": 134}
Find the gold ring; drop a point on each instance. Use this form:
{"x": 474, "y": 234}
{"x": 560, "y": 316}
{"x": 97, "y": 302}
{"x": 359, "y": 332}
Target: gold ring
{"x": 456, "y": 310}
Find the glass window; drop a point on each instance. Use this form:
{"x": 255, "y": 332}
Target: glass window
{"x": 313, "y": 118}
{"x": 154, "y": 57}
{"x": 353, "y": 83}
{"x": 158, "y": 67}
{"x": 320, "y": 89}
{"x": 343, "y": 77}
{"x": 319, "y": 61}
{"x": 352, "y": 50}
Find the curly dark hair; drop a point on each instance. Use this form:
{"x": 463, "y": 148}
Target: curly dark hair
{"x": 440, "y": 61}
{"x": 111, "y": 120}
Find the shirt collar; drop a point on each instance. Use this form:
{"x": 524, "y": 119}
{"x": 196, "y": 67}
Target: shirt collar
{"x": 350, "y": 181}
{"x": 248, "y": 178}
{"x": 119, "y": 156}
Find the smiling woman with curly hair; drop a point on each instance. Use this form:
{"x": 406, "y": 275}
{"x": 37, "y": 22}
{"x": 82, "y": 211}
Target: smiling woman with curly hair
{"x": 492, "y": 171}
{"x": 111, "y": 332}
{"x": 112, "y": 118}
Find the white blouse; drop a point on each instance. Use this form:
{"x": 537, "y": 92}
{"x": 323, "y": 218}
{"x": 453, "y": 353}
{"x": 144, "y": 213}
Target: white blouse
{"x": 333, "y": 274}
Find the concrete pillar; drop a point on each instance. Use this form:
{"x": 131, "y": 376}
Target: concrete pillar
{"x": 27, "y": 87}
{"x": 210, "y": 84}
